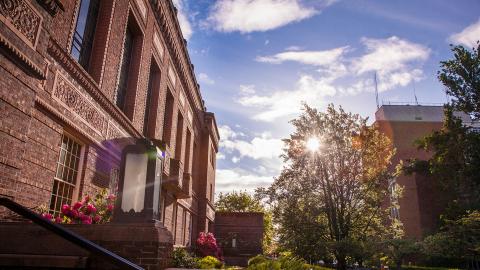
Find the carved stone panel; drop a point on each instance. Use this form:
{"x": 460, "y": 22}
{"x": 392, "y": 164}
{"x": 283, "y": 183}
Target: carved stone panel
{"x": 21, "y": 18}
{"x": 71, "y": 98}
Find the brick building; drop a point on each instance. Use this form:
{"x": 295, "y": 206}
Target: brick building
{"x": 240, "y": 235}
{"x": 79, "y": 80}
{"x": 422, "y": 201}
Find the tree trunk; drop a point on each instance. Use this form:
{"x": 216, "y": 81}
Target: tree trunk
{"x": 341, "y": 262}
{"x": 399, "y": 264}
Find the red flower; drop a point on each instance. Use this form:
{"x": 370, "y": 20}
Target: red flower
{"x": 110, "y": 207}
{"x": 90, "y": 209}
{"x": 58, "y": 220}
{"x": 96, "y": 219}
{"x": 47, "y": 216}
{"x": 66, "y": 209}
{"x": 77, "y": 205}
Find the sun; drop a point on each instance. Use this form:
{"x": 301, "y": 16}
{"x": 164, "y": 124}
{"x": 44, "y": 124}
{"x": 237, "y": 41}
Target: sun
{"x": 313, "y": 144}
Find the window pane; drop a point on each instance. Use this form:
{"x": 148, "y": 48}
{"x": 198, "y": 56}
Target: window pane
{"x": 125, "y": 66}
{"x": 66, "y": 175}
{"x": 84, "y": 31}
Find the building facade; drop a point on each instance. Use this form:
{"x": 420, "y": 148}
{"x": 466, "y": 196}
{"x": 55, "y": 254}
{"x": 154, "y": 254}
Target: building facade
{"x": 422, "y": 200}
{"x": 79, "y": 80}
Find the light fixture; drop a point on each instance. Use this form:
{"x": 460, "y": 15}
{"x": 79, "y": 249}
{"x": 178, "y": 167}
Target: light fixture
{"x": 140, "y": 183}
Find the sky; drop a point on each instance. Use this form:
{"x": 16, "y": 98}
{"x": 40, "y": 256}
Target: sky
{"x": 257, "y": 61}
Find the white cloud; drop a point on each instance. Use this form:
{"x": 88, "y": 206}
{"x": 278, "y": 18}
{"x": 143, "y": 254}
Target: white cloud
{"x": 263, "y": 147}
{"x": 185, "y": 25}
{"x": 202, "y": 77}
{"x": 316, "y": 58}
{"x": 237, "y": 179}
{"x": 247, "y": 89}
{"x": 389, "y": 54}
{"x": 285, "y": 103}
{"x": 468, "y": 36}
{"x": 393, "y": 59}
{"x": 396, "y": 61}
{"x": 248, "y": 16}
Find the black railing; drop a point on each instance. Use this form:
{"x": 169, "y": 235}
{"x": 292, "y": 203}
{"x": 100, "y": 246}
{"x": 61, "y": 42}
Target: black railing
{"x": 68, "y": 235}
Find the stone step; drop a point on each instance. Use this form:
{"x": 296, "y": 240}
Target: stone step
{"x": 36, "y": 261}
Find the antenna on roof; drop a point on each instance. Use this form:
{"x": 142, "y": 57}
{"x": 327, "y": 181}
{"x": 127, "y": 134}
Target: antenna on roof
{"x": 415, "y": 93}
{"x": 376, "y": 88}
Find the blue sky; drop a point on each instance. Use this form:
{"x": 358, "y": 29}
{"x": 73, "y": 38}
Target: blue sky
{"x": 258, "y": 60}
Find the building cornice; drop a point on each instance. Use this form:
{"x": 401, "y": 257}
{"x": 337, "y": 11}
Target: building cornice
{"x": 165, "y": 14}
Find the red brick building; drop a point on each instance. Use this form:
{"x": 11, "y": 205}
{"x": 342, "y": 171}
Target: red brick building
{"x": 422, "y": 201}
{"x": 240, "y": 235}
{"x": 79, "y": 80}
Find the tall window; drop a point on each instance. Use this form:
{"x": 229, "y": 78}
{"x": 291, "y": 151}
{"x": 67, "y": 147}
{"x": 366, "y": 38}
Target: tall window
{"x": 65, "y": 180}
{"x": 179, "y": 138}
{"x": 124, "y": 68}
{"x": 85, "y": 31}
{"x": 152, "y": 96}
{"x": 167, "y": 118}
{"x": 187, "y": 152}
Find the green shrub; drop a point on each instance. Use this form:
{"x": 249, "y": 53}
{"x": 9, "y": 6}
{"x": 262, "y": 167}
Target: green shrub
{"x": 209, "y": 262}
{"x": 181, "y": 258}
{"x": 257, "y": 260}
{"x": 413, "y": 267}
{"x": 286, "y": 261}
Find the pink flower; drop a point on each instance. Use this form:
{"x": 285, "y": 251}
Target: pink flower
{"x": 90, "y": 209}
{"x": 58, "y": 220}
{"x": 110, "y": 207}
{"x": 86, "y": 219}
{"x": 96, "y": 219}
{"x": 77, "y": 205}
{"x": 86, "y": 199}
{"x": 111, "y": 197}
{"x": 47, "y": 216}
{"x": 73, "y": 214}
{"x": 66, "y": 209}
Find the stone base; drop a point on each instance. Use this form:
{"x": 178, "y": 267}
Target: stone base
{"x": 149, "y": 245}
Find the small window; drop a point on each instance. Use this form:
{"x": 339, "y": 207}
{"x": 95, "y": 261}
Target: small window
{"x": 85, "y": 31}
{"x": 66, "y": 176}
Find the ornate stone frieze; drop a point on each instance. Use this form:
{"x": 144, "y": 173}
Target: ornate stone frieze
{"x": 22, "y": 18}
{"x": 70, "y": 97}
{"x": 74, "y": 69}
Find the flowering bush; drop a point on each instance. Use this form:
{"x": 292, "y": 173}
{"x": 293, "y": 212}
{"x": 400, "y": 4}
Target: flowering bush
{"x": 87, "y": 211}
{"x": 207, "y": 245}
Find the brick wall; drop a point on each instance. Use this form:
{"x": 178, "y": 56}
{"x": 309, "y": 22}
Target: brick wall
{"x": 422, "y": 200}
{"x": 45, "y": 93}
{"x": 239, "y": 235}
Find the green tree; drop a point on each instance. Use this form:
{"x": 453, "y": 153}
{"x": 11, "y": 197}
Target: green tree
{"x": 244, "y": 202}
{"x": 335, "y": 195}
{"x": 461, "y": 78}
{"x": 456, "y": 147}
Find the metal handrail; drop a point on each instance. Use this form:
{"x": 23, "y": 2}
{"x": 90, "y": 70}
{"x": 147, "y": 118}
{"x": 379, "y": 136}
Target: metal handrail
{"x": 69, "y": 235}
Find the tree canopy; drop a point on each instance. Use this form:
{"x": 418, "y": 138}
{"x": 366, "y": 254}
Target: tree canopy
{"x": 325, "y": 200}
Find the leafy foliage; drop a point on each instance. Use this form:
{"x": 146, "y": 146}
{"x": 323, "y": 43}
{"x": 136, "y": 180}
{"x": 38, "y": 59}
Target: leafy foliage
{"x": 326, "y": 199}
{"x": 181, "y": 258}
{"x": 457, "y": 240}
{"x": 244, "y": 202}
{"x": 285, "y": 262}
{"x": 461, "y": 77}
{"x": 456, "y": 148}
{"x": 209, "y": 262}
